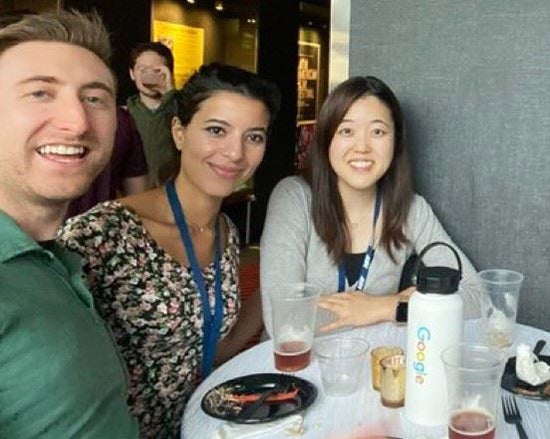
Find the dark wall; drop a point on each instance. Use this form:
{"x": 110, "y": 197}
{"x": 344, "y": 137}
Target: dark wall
{"x": 277, "y": 61}
{"x": 474, "y": 79}
{"x": 7, "y": 5}
{"x": 129, "y": 22}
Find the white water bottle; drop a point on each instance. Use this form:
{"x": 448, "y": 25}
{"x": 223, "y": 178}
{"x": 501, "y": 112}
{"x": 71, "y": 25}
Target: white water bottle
{"x": 435, "y": 319}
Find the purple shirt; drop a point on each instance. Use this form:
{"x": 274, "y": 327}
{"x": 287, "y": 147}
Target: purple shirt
{"x": 127, "y": 160}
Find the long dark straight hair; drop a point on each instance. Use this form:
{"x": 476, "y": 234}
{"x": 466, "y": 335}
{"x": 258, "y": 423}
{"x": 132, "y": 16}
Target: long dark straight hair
{"x": 328, "y": 213}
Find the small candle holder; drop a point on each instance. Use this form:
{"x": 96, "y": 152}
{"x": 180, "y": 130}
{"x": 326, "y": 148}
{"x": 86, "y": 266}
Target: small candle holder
{"x": 392, "y": 381}
{"x": 377, "y": 355}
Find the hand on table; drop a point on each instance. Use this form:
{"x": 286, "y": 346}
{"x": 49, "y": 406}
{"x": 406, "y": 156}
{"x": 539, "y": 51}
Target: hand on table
{"x": 356, "y": 308}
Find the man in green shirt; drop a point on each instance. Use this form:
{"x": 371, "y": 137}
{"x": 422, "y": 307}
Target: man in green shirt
{"x": 151, "y": 69}
{"x": 60, "y": 373}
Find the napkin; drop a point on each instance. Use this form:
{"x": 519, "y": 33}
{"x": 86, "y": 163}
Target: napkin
{"x": 291, "y": 425}
{"x": 529, "y": 368}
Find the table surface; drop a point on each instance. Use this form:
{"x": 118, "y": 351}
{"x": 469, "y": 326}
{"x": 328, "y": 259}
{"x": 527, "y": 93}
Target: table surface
{"x": 344, "y": 417}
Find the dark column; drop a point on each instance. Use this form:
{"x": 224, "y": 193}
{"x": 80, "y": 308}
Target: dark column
{"x": 277, "y": 61}
{"x": 129, "y": 22}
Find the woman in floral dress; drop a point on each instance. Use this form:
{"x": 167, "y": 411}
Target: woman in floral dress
{"x": 163, "y": 265}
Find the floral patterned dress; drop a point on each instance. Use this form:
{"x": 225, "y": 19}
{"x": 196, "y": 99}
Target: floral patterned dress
{"x": 153, "y": 307}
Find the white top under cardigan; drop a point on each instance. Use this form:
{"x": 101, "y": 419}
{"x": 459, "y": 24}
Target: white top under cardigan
{"x": 291, "y": 251}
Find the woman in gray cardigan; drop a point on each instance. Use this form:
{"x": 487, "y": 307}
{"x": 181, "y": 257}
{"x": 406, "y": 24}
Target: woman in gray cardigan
{"x": 350, "y": 224}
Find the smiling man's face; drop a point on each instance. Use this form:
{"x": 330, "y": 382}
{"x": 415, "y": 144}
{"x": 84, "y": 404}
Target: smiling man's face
{"x": 57, "y": 122}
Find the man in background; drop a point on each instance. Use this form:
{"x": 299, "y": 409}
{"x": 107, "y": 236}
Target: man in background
{"x": 151, "y": 69}
{"x": 60, "y": 373}
{"x": 125, "y": 174}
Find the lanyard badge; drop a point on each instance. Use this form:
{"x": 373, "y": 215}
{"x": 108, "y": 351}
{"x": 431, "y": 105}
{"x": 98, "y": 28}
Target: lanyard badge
{"x": 212, "y": 318}
{"x": 369, "y": 254}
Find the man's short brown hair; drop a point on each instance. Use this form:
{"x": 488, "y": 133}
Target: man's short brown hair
{"x": 71, "y": 27}
{"x": 153, "y": 46}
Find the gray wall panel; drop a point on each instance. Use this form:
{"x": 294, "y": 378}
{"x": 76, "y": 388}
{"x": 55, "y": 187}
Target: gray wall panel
{"x": 474, "y": 80}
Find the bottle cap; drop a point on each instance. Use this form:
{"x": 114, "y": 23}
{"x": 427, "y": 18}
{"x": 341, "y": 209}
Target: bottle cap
{"x": 437, "y": 280}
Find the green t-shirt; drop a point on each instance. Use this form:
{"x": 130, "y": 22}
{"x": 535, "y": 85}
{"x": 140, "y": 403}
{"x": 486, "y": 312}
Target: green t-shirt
{"x": 154, "y": 127}
{"x": 60, "y": 373}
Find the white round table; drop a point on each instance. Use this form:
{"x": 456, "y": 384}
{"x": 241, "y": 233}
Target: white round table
{"x": 344, "y": 417}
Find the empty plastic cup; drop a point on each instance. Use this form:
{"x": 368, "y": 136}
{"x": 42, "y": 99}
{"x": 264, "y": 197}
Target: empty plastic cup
{"x": 500, "y": 305}
{"x": 341, "y": 360}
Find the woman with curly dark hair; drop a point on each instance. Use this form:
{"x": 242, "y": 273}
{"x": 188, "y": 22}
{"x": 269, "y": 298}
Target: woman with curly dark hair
{"x": 163, "y": 264}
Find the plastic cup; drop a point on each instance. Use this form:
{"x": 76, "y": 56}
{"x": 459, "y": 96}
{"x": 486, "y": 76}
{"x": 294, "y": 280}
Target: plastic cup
{"x": 293, "y": 325}
{"x": 341, "y": 360}
{"x": 500, "y": 305}
{"x": 324, "y": 317}
{"x": 473, "y": 375}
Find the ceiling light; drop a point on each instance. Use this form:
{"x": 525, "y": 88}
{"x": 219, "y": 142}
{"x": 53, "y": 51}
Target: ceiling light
{"x": 218, "y": 6}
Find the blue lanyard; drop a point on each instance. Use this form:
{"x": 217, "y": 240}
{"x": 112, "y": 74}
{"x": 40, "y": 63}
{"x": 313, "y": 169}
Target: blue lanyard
{"x": 369, "y": 254}
{"x": 212, "y": 319}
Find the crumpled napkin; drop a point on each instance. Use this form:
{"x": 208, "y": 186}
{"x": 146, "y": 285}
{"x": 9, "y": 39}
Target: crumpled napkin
{"x": 529, "y": 368}
{"x": 291, "y": 425}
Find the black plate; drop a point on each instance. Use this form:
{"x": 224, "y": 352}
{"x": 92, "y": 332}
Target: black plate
{"x": 513, "y": 384}
{"x": 216, "y": 404}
